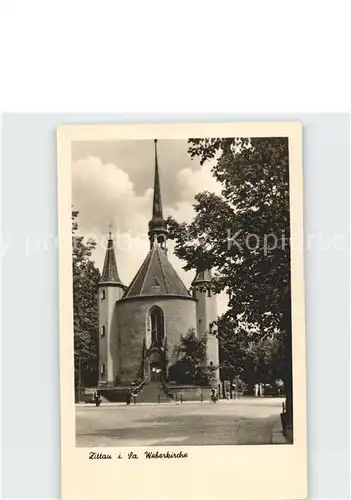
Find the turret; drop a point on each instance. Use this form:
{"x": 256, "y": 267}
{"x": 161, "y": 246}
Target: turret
{"x": 110, "y": 290}
{"x": 206, "y": 314}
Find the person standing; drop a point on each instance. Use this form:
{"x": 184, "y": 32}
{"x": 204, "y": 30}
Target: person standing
{"x": 97, "y": 398}
{"x": 129, "y": 396}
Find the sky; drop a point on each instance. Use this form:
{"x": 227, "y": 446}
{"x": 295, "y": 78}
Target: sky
{"x": 112, "y": 188}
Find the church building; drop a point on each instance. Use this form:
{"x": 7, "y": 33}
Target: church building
{"x": 140, "y": 324}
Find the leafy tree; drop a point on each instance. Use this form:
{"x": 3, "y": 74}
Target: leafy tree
{"x": 245, "y": 357}
{"x": 190, "y": 358}
{"x": 243, "y": 234}
{"x": 85, "y": 308}
{"x": 233, "y": 349}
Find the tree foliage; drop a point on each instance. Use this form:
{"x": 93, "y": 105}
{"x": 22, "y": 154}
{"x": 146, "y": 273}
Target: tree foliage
{"x": 190, "y": 358}
{"x": 85, "y": 308}
{"x": 244, "y": 355}
{"x": 244, "y": 235}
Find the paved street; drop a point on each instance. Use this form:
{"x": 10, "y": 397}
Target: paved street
{"x": 245, "y": 421}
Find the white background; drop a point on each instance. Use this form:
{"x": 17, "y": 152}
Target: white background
{"x": 196, "y": 57}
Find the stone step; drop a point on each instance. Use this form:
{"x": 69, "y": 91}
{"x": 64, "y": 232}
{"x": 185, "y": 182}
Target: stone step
{"x": 152, "y": 393}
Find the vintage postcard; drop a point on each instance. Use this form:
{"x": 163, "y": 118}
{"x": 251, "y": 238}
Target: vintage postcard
{"x": 182, "y": 326}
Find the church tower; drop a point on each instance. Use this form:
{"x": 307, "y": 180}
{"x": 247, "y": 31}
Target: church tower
{"x": 155, "y": 310}
{"x": 110, "y": 290}
{"x": 157, "y": 226}
{"x": 206, "y": 314}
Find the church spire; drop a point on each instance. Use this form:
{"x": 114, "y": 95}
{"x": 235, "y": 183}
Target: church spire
{"x": 157, "y": 225}
{"x": 157, "y": 202}
{"x": 110, "y": 272}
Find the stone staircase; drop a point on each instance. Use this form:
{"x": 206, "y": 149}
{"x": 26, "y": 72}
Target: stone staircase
{"x": 152, "y": 393}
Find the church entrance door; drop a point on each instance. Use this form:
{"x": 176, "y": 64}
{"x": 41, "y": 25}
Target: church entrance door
{"x": 155, "y": 372}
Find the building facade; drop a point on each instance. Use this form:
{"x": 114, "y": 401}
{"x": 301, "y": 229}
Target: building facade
{"x": 140, "y": 324}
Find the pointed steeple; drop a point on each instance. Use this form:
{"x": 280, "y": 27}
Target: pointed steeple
{"x": 157, "y": 225}
{"x": 157, "y": 203}
{"x": 110, "y": 272}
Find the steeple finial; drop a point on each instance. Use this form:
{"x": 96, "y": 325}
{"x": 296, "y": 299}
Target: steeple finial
{"x": 157, "y": 225}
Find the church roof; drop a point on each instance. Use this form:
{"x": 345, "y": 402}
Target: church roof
{"x": 110, "y": 272}
{"x": 156, "y": 276}
{"x": 203, "y": 277}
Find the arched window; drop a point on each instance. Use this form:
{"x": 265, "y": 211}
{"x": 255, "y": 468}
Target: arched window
{"x": 157, "y": 325}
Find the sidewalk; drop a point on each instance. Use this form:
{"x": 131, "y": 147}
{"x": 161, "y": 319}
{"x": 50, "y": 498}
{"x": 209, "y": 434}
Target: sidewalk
{"x": 243, "y": 400}
{"x": 174, "y": 403}
{"x": 277, "y": 436}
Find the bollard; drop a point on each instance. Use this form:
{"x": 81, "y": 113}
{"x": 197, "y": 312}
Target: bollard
{"x": 158, "y": 398}
{"x": 181, "y": 398}
{"x": 134, "y": 399}
{"x": 202, "y": 397}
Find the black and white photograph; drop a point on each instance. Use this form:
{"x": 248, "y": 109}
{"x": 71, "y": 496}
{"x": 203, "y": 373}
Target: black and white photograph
{"x": 182, "y": 331}
{"x": 182, "y": 292}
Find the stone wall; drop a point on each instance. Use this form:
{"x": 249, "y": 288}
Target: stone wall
{"x": 131, "y": 315}
{"x": 115, "y": 395}
{"x": 189, "y": 393}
